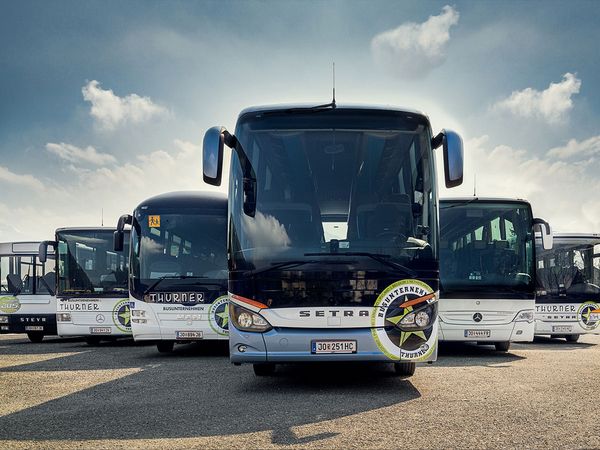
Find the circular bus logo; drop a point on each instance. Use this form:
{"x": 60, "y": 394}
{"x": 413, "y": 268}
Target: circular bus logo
{"x": 218, "y": 315}
{"x": 122, "y": 315}
{"x": 9, "y": 304}
{"x": 587, "y": 319}
{"x": 392, "y": 305}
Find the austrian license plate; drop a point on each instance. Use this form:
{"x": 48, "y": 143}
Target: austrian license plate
{"x": 478, "y": 333}
{"x": 333, "y": 347}
{"x": 34, "y": 328}
{"x": 100, "y": 330}
{"x": 188, "y": 334}
{"x": 562, "y": 329}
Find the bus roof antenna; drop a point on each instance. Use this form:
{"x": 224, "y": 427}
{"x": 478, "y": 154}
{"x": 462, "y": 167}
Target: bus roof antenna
{"x": 333, "y": 101}
{"x": 102, "y": 217}
{"x": 475, "y": 185}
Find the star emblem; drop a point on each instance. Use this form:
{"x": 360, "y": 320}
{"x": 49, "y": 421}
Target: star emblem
{"x": 224, "y": 317}
{"x": 125, "y": 316}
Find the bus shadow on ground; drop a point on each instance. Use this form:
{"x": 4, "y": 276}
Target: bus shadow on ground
{"x": 204, "y": 396}
{"x": 545, "y": 343}
{"x": 462, "y": 354}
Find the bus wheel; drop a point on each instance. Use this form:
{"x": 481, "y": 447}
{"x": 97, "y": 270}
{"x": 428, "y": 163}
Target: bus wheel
{"x": 263, "y": 369}
{"x": 502, "y": 346}
{"x": 35, "y": 336}
{"x": 572, "y": 337}
{"x": 165, "y": 346}
{"x": 92, "y": 340}
{"x": 405, "y": 369}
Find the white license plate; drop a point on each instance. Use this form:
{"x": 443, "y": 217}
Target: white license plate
{"x": 188, "y": 334}
{"x": 478, "y": 333}
{"x": 562, "y": 329}
{"x": 333, "y": 347}
{"x": 100, "y": 330}
{"x": 34, "y": 328}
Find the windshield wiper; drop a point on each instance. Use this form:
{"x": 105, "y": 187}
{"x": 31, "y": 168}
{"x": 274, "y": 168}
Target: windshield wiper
{"x": 456, "y": 205}
{"x": 170, "y": 277}
{"x": 379, "y": 257}
{"x": 302, "y": 109}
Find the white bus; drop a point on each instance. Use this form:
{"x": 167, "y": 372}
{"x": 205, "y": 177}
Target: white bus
{"x": 568, "y": 298}
{"x": 333, "y": 233}
{"x": 178, "y": 271}
{"x": 487, "y": 270}
{"x": 92, "y": 295}
{"x": 27, "y": 301}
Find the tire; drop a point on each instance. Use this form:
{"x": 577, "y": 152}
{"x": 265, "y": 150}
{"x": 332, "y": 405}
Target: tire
{"x": 572, "y": 337}
{"x": 263, "y": 369}
{"x": 35, "y": 336}
{"x": 165, "y": 346}
{"x": 502, "y": 346}
{"x": 405, "y": 369}
{"x": 92, "y": 341}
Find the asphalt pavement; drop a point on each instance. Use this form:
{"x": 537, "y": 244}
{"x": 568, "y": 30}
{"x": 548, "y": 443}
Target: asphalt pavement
{"x": 63, "y": 393}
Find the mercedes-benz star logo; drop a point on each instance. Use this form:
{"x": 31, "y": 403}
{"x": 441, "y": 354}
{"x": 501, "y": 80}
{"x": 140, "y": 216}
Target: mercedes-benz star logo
{"x": 477, "y": 317}
{"x": 100, "y": 318}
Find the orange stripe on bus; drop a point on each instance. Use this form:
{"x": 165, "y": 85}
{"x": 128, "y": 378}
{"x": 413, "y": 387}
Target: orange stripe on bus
{"x": 416, "y": 301}
{"x": 249, "y": 301}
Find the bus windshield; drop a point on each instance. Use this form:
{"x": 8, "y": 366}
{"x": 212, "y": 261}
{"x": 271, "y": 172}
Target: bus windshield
{"x": 349, "y": 183}
{"x": 486, "y": 246}
{"x": 87, "y": 263}
{"x": 570, "y": 269}
{"x": 177, "y": 250}
{"x": 26, "y": 275}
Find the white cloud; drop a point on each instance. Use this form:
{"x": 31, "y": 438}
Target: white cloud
{"x": 111, "y": 111}
{"x": 588, "y": 147}
{"x": 562, "y": 193}
{"x": 15, "y": 179}
{"x": 414, "y": 49}
{"x": 75, "y": 154}
{"x": 551, "y": 105}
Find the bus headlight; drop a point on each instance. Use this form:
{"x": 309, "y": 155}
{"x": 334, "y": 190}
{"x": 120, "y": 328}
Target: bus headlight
{"x": 524, "y": 316}
{"x": 3, "y": 319}
{"x": 63, "y": 317}
{"x": 246, "y": 320}
{"x": 417, "y": 320}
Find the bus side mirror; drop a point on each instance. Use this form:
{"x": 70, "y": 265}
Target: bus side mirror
{"x": 119, "y": 235}
{"x": 43, "y": 250}
{"x": 452, "y": 145}
{"x": 212, "y": 156}
{"x": 546, "y": 233}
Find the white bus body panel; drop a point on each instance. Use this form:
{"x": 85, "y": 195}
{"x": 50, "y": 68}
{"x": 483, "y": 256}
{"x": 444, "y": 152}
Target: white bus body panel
{"x": 497, "y": 317}
{"x": 94, "y": 317}
{"x": 567, "y": 318}
{"x": 164, "y": 321}
{"x": 28, "y": 313}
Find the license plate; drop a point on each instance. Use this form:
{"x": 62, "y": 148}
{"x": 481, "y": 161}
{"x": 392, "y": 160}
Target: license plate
{"x": 562, "y": 329}
{"x": 478, "y": 333}
{"x": 34, "y": 328}
{"x": 333, "y": 347}
{"x": 188, "y": 334}
{"x": 100, "y": 330}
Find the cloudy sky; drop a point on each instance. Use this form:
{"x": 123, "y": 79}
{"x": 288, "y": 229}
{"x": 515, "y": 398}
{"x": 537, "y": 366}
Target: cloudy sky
{"x": 103, "y": 104}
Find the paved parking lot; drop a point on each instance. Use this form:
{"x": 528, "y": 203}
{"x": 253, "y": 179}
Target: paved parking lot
{"x": 64, "y": 394}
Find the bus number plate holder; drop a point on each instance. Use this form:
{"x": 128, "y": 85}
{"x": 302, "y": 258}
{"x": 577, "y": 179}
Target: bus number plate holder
{"x": 478, "y": 333}
{"x": 333, "y": 347}
{"x": 100, "y": 330}
{"x": 188, "y": 335}
{"x": 562, "y": 329}
{"x": 34, "y": 328}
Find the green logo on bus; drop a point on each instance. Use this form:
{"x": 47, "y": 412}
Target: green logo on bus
{"x": 122, "y": 315}
{"x": 587, "y": 319}
{"x": 218, "y": 315}
{"x": 9, "y": 304}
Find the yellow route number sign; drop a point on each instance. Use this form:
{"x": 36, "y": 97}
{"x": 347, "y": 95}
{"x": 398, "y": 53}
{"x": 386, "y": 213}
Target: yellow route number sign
{"x": 154, "y": 221}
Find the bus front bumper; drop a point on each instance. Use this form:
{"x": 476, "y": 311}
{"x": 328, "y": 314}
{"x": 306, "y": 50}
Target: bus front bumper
{"x": 561, "y": 328}
{"x": 481, "y": 332}
{"x": 283, "y": 345}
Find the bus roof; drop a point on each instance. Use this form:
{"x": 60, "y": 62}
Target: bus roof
{"x": 210, "y": 199}
{"x": 347, "y": 106}
{"x": 20, "y": 248}
{"x": 85, "y": 229}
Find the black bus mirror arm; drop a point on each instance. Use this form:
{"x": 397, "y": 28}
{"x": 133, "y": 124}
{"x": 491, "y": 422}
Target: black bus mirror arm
{"x": 249, "y": 183}
{"x": 118, "y": 235}
{"x": 43, "y": 250}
